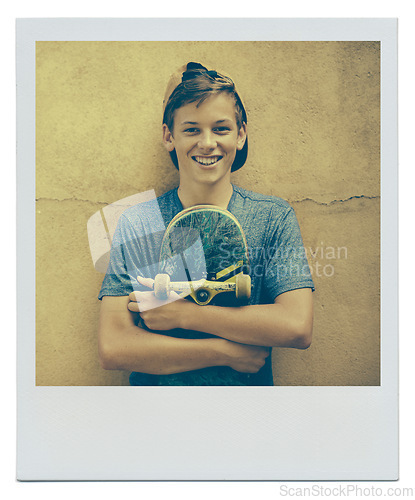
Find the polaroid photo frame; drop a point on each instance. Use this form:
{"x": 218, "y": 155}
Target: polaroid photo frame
{"x": 338, "y": 421}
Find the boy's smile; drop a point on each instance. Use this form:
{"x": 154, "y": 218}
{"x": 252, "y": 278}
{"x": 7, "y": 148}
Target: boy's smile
{"x": 207, "y": 160}
{"x": 206, "y": 139}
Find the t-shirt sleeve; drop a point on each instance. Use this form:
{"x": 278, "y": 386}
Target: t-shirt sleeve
{"x": 287, "y": 266}
{"x": 127, "y": 261}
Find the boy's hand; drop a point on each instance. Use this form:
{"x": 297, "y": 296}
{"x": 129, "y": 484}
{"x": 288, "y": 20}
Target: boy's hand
{"x": 246, "y": 358}
{"x": 158, "y": 314}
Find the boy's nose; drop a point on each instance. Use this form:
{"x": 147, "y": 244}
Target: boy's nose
{"x": 207, "y": 141}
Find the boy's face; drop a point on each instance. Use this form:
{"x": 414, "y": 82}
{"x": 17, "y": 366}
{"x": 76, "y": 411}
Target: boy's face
{"x": 206, "y": 139}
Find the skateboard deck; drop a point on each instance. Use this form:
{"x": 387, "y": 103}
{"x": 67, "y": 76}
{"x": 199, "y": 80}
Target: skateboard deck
{"x": 204, "y": 257}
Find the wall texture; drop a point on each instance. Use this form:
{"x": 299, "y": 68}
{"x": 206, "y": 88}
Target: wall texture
{"x": 314, "y": 137}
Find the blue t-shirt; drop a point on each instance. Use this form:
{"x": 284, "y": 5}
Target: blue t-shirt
{"x": 277, "y": 264}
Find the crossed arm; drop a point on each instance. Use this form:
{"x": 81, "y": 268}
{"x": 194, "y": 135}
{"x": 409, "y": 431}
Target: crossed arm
{"x": 244, "y": 334}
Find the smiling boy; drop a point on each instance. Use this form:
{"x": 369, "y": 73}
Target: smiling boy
{"x": 179, "y": 342}
{"x": 205, "y": 138}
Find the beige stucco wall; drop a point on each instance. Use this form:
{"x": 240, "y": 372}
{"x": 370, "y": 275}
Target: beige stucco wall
{"x": 313, "y": 118}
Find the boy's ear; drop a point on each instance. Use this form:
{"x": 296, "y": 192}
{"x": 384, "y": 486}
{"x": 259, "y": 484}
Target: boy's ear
{"x": 168, "y": 139}
{"x": 241, "y": 137}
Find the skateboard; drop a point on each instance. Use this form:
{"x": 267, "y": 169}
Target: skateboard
{"x": 204, "y": 257}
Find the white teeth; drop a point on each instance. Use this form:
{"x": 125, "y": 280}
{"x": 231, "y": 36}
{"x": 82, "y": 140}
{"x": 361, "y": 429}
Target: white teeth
{"x": 207, "y": 161}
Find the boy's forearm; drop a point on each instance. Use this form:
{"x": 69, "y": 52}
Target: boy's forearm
{"x": 136, "y": 349}
{"x": 265, "y": 325}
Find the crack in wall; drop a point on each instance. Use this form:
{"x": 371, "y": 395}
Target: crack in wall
{"x": 74, "y": 199}
{"x": 362, "y": 196}
{"x": 332, "y": 202}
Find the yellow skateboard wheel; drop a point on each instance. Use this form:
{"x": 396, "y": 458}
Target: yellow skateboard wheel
{"x": 243, "y": 286}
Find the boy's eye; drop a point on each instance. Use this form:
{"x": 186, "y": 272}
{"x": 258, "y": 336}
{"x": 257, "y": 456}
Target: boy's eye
{"x": 217, "y": 130}
{"x": 221, "y": 130}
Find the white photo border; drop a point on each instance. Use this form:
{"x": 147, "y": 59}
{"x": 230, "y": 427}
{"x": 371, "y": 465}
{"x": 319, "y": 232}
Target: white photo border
{"x": 227, "y": 433}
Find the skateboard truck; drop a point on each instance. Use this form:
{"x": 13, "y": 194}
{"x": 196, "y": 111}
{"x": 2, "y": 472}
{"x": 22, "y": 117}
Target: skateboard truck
{"x": 203, "y": 291}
